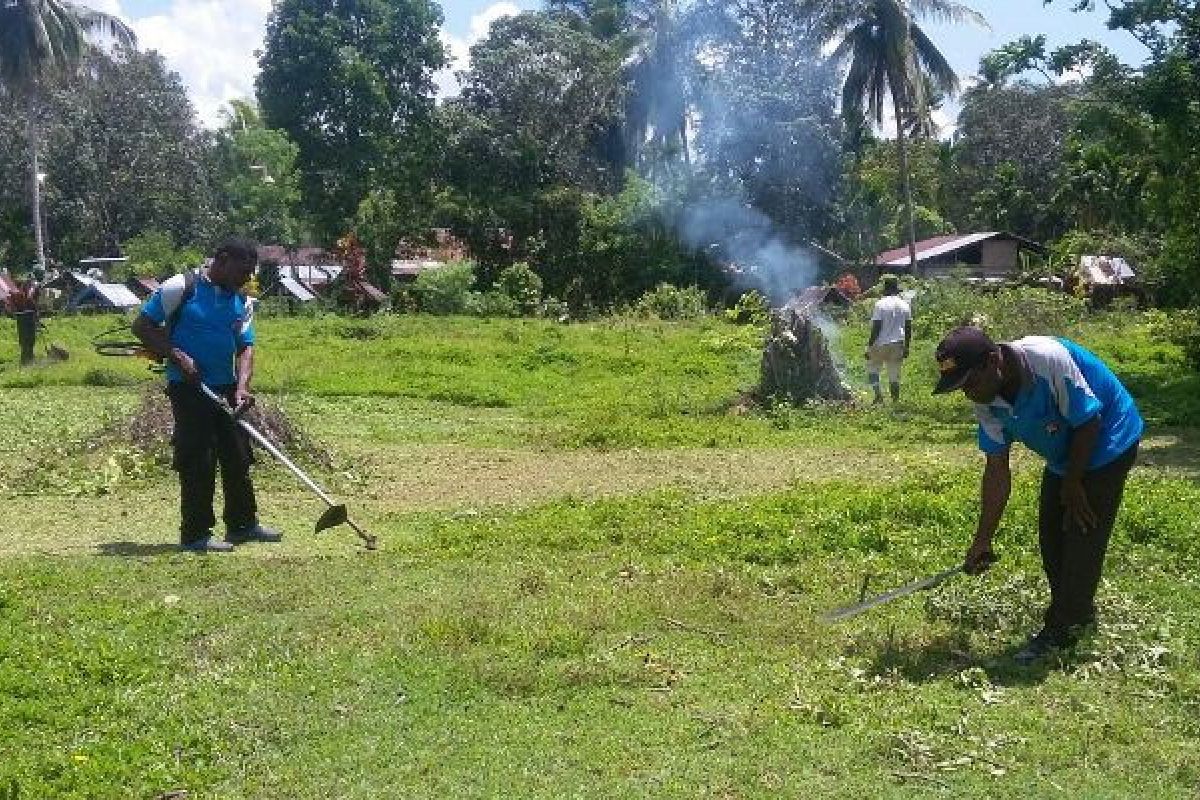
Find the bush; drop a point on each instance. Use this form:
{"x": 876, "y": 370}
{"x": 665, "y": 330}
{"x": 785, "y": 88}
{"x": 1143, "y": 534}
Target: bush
{"x": 1005, "y": 314}
{"x": 446, "y": 290}
{"x": 669, "y": 302}
{"x": 1180, "y": 328}
{"x": 491, "y": 304}
{"x": 553, "y": 308}
{"x": 751, "y": 308}
{"x": 522, "y": 285}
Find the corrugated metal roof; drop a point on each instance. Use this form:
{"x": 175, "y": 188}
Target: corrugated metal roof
{"x": 932, "y": 248}
{"x": 941, "y": 245}
{"x": 111, "y": 295}
{"x": 310, "y": 274}
{"x": 1106, "y": 270}
{"x": 297, "y": 291}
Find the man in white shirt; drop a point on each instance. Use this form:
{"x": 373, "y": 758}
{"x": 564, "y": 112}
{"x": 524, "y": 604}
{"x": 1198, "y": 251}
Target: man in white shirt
{"x": 891, "y": 333}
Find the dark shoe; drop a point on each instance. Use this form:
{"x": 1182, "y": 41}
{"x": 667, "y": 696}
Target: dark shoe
{"x": 1040, "y": 645}
{"x": 208, "y": 544}
{"x": 254, "y": 533}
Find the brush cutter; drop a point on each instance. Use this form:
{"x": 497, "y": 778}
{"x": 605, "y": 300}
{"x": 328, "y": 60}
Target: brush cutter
{"x": 108, "y": 343}
{"x": 845, "y": 612}
{"x": 335, "y": 514}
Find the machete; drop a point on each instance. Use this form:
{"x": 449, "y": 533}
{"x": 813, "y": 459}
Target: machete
{"x": 845, "y": 612}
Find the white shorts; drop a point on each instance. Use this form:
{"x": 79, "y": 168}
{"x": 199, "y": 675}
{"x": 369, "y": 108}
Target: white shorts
{"x": 886, "y": 355}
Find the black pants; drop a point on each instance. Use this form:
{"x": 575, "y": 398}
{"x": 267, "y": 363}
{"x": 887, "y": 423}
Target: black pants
{"x": 205, "y": 436}
{"x": 1073, "y": 558}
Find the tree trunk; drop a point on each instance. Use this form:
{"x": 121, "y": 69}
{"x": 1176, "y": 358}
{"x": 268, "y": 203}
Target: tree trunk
{"x": 27, "y": 322}
{"x": 34, "y": 134}
{"x": 899, "y": 101}
{"x": 906, "y": 181}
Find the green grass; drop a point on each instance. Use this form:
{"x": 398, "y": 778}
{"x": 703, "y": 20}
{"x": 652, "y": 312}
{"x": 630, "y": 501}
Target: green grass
{"x": 598, "y": 579}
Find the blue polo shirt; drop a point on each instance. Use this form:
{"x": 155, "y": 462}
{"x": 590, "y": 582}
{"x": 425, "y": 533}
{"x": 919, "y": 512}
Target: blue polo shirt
{"x": 1062, "y": 387}
{"x": 214, "y": 324}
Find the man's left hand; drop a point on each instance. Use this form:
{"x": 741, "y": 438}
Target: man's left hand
{"x": 1075, "y": 503}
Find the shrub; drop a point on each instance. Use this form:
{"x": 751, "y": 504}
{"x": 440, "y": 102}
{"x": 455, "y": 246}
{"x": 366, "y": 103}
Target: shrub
{"x": 446, "y": 290}
{"x": 751, "y": 308}
{"x": 1181, "y": 328}
{"x": 491, "y": 304}
{"x": 522, "y": 285}
{"x": 669, "y": 302}
{"x": 1009, "y": 313}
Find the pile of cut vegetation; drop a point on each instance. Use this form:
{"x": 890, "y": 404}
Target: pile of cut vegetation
{"x": 797, "y": 363}
{"x": 148, "y": 429}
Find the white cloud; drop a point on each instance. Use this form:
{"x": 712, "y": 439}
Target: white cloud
{"x": 211, "y": 44}
{"x": 459, "y": 49}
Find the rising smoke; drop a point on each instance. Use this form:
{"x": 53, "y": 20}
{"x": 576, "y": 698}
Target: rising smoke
{"x": 764, "y": 142}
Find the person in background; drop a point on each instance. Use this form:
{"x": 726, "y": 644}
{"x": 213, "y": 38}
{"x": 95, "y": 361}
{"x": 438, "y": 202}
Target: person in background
{"x": 201, "y": 325}
{"x": 1067, "y": 406}
{"x": 891, "y": 335}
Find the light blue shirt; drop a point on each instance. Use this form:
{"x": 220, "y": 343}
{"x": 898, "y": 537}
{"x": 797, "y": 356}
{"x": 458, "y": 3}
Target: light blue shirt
{"x": 214, "y": 324}
{"x": 1063, "y": 386}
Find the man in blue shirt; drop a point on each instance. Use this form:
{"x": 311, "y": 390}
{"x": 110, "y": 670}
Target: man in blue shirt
{"x": 1063, "y": 403}
{"x": 202, "y": 326}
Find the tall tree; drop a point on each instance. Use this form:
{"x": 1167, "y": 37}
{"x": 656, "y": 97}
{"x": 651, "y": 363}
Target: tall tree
{"x": 126, "y": 155}
{"x": 890, "y": 55}
{"x": 656, "y": 40}
{"x": 42, "y": 42}
{"x": 768, "y": 128}
{"x": 256, "y": 177}
{"x": 352, "y": 85}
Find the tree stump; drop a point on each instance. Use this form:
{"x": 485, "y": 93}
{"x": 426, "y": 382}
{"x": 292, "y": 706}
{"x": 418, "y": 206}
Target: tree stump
{"x": 797, "y": 364}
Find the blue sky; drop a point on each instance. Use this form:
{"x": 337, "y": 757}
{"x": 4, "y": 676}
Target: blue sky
{"x": 211, "y": 42}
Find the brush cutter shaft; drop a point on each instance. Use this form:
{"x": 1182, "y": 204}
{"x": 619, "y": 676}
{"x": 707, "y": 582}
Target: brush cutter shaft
{"x": 270, "y": 448}
{"x": 266, "y": 444}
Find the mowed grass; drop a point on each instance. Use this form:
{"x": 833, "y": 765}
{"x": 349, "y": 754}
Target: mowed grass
{"x": 600, "y": 577}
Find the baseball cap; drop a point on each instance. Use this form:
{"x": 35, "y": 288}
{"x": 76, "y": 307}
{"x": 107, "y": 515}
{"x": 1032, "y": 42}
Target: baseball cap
{"x": 962, "y": 350}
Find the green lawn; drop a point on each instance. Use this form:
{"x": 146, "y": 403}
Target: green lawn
{"x": 600, "y": 577}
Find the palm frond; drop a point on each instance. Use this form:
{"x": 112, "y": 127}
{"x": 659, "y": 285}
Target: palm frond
{"x": 934, "y": 64}
{"x": 948, "y": 11}
{"x": 99, "y": 22}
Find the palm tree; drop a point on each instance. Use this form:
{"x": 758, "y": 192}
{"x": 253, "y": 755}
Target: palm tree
{"x": 655, "y": 38}
{"x": 889, "y": 55}
{"x": 42, "y": 41}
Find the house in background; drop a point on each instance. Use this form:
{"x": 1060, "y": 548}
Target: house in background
{"x": 104, "y": 297}
{"x": 290, "y": 289}
{"x": 413, "y": 259}
{"x": 992, "y": 256}
{"x": 312, "y": 267}
{"x": 1108, "y": 277}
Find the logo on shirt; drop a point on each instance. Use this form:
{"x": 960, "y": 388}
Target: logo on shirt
{"x": 1052, "y": 427}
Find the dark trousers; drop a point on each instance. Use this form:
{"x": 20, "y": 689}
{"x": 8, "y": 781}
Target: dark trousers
{"x": 204, "y": 437}
{"x": 1073, "y": 558}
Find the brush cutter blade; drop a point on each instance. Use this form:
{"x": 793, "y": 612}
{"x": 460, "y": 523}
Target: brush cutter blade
{"x": 333, "y": 516}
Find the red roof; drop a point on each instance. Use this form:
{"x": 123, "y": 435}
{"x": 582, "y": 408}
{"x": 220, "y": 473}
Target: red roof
{"x": 304, "y": 256}
{"x": 924, "y": 244}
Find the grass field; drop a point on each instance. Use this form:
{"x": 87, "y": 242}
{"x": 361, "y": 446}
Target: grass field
{"x": 600, "y": 577}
